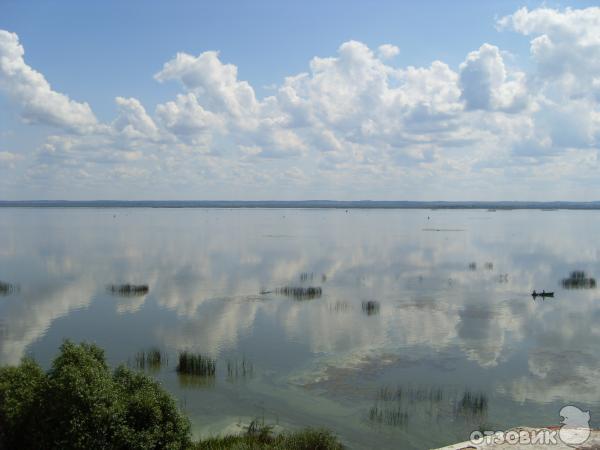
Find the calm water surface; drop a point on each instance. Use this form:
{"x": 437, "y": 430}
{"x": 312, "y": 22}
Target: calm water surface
{"x": 451, "y": 342}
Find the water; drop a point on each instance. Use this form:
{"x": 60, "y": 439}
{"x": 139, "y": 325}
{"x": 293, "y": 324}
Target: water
{"x": 445, "y": 348}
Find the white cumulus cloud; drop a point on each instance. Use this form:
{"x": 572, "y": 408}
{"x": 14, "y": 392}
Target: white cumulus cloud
{"x": 36, "y": 99}
{"x": 354, "y": 124}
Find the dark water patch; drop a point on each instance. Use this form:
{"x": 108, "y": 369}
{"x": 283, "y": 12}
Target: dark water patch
{"x": 578, "y": 279}
{"x": 128, "y": 290}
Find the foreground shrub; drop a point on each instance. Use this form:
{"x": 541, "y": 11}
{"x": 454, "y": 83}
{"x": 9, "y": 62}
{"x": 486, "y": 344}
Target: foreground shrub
{"x": 80, "y": 404}
{"x": 261, "y": 438}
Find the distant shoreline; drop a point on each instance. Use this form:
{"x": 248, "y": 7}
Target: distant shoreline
{"x": 304, "y": 204}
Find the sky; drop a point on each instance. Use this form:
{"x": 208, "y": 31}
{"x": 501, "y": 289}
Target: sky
{"x": 342, "y": 100}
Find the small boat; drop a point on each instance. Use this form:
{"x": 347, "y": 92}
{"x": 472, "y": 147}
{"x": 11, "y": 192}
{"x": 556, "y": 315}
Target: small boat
{"x": 535, "y": 294}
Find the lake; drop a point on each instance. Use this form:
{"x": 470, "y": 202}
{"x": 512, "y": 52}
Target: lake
{"x": 421, "y": 327}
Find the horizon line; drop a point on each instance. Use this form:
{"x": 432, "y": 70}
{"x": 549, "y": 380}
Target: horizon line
{"x": 314, "y": 204}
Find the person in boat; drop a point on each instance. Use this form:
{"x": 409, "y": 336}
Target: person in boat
{"x": 534, "y": 293}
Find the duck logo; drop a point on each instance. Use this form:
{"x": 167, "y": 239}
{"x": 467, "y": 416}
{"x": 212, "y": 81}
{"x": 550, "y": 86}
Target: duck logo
{"x": 576, "y": 425}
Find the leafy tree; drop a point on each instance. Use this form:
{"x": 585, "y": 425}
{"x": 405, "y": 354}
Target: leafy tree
{"x": 80, "y": 404}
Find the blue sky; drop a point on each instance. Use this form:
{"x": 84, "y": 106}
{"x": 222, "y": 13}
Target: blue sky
{"x": 432, "y": 133}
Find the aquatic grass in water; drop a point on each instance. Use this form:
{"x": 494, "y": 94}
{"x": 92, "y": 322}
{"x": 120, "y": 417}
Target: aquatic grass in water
{"x": 239, "y": 370}
{"x": 129, "y": 290}
{"x": 258, "y": 436}
{"x": 388, "y": 416}
{"x": 579, "y": 280}
{"x": 472, "y": 404}
{"x": 8, "y": 288}
{"x": 300, "y": 292}
{"x": 395, "y": 407}
{"x": 339, "y": 307}
{"x": 196, "y": 364}
{"x": 152, "y": 359}
{"x": 411, "y": 395}
{"x": 370, "y": 307}
{"x": 306, "y": 276}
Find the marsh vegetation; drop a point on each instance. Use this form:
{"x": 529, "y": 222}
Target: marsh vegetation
{"x": 237, "y": 370}
{"x": 578, "y": 279}
{"x": 129, "y": 290}
{"x": 309, "y": 276}
{"x": 152, "y": 359}
{"x": 391, "y": 416}
{"x": 300, "y": 292}
{"x": 472, "y": 405}
{"x": 259, "y": 436}
{"x": 339, "y": 307}
{"x": 370, "y": 307}
{"x": 196, "y": 364}
{"x": 397, "y": 406}
{"x": 8, "y": 288}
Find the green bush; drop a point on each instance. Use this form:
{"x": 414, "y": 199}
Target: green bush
{"x": 80, "y": 404}
{"x": 260, "y": 437}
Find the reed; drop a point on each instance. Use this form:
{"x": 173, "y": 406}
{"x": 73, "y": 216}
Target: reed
{"x": 129, "y": 290}
{"x": 305, "y": 276}
{"x": 300, "y": 292}
{"x": 152, "y": 359}
{"x": 339, "y": 307}
{"x": 8, "y": 288}
{"x": 411, "y": 395}
{"x": 370, "y": 307}
{"x": 309, "y": 276}
{"x": 472, "y": 404}
{"x": 239, "y": 369}
{"x": 196, "y": 364}
{"x": 579, "y": 280}
{"x": 394, "y": 416}
{"x": 260, "y": 436}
